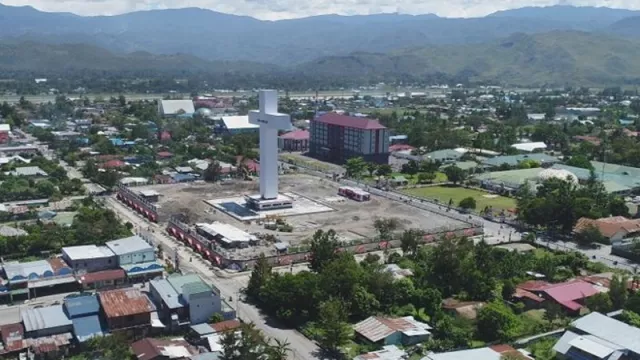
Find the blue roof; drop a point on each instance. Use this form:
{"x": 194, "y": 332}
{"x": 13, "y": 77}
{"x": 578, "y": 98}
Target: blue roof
{"x": 87, "y": 327}
{"x": 82, "y": 305}
{"x": 626, "y": 122}
{"x": 183, "y": 177}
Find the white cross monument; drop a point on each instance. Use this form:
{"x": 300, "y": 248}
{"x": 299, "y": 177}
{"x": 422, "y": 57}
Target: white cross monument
{"x": 270, "y": 121}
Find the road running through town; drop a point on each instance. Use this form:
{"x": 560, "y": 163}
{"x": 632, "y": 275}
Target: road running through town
{"x": 230, "y": 286}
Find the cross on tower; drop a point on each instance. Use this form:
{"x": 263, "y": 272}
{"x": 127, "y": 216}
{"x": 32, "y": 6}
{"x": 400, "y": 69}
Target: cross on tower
{"x": 270, "y": 121}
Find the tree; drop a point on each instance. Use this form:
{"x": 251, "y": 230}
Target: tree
{"x": 384, "y": 170}
{"x": 497, "y": 322}
{"x": 410, "y": 240}
{"x": 580, "y": 161}
{"x": 552, "y": 312}
{"x": 385, "y": 228}
{"x": 279, "y": 350}
{"x": 216, "y": 318}
{"x": 427, "y": 177}
{"x": 334, "y": 328}
{"x": 618, "y": 291}
{"x": 455, "y": 174}
{"x": 324, "y": 246}
{"x": 212, "y": 172}
{"x": 600, "y": 302}
{"x": 589, "y": 235}
{"x": 355, "y": 167}
{"x": 259, "y": 277}
{"x": 246, "y": 344}
{"x": 508, "y": 289}
{"x": 410, "y": 168}
{"x": 372, "y": 168}
{"x": 113, "y": 347}
{"x": 468, "y": 203}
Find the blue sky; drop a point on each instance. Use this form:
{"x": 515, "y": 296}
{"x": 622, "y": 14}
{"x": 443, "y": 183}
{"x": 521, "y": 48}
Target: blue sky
{"x": 286, "y": 9}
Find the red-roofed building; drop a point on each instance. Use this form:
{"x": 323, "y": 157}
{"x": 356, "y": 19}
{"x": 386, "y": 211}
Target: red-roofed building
{"x": 114, "y": 164}
{"x": 252, "y": 165}
{"x": 12, "y": 339}
{"x": 225, "y": 325}
{"x": 102, "y": 279}
{"x": 297, "y": 140}
{"x": 338, "y": 138}
{"x": 570, "y": 294}
{"x": 164, "y": 136}
{"x": 164, "y": 155}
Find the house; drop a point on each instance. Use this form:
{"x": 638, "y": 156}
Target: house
{"x": 164, "y": 136}
{"x": 113, "y": 164}
{"x": 84, "y": 312}
{"x": 233, "y": 125}
{"x": 12, "y": 340}
{"x": 174, "y": 108}
{"x": 5, "y": 132}
{"x": 19, "y": 149}
{"x": 389, "y": 352}
{"x": 226, "y": 235}
{"x": 397, "y": 272}
{"x": 464, "y": 309}
{"x": 136, "y": 257}
{"x": 9, "y": 231}
{"x": 570, "y": 295}
{"x": 494, "y": 352}
{"x": 171, "y": 309}
{"x": 529, "y": 146}
{"x": 89, "y": 258}
{"x": 596, "y": 336}
{"x": 514, "y": 160}
{"x": 126, "y": 308}
{"x": 296, "y": 140}
{"x": 199, "y": 299}
{"x": 28, "y": 171}
{"x": 102, "y": 279}
{"x": 159, "y": 349}
{"x": 393, "y": 331}
{"x": 338, "y": 138}
{"x": 45, "y": 321}
{"x": 616, "y": 228}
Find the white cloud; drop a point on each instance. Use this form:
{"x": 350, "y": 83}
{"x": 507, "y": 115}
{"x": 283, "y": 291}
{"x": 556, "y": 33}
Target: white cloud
{"x": 285, "y": 9}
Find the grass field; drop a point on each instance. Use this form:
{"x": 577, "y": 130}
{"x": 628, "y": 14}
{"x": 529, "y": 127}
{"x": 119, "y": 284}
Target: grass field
{"x": 440, "y": 177}
{"x": 444, "y": 193}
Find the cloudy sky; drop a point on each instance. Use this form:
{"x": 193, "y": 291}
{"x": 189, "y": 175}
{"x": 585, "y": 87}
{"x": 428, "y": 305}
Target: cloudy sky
{"x": 285, "y": 9}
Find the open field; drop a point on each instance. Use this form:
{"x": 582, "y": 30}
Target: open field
{"x": 444, "y": 193}
{"x": 413, "y": 179}
{"x": 353, "y": 221}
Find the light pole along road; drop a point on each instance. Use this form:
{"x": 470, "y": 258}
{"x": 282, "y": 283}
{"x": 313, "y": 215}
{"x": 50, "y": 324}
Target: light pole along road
{"x": 230, "y": 287}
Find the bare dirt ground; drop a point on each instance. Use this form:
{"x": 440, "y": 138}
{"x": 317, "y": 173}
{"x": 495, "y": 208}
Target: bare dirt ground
{"x": 350, "y": 219}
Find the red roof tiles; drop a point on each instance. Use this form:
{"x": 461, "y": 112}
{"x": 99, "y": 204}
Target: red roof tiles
{"x": 113, "y": 164}
{"x": 225, "y": 325}
{"x": 350, "y": 121}
{"x": 609, "y": 226}
{"x": 296, "y": 135}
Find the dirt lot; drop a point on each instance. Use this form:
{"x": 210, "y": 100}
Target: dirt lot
{"x": 351, "y": 220}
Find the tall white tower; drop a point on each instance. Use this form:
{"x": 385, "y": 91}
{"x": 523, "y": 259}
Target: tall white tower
{"x": 270, "y": 121}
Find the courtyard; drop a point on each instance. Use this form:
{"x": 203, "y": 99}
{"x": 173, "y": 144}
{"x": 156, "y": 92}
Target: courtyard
{"x": 457, "y": 193}
{"x": 352, "y": 220}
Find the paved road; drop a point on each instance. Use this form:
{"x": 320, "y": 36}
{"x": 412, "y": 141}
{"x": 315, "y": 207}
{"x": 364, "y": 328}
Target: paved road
{"x": 230, "y": 287}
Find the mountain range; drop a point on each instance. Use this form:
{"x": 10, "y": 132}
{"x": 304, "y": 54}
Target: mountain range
{"x": 558, "y": 44}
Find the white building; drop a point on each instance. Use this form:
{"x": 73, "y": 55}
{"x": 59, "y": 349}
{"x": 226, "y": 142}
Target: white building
{"x": 170, "y": 108}
{"x": 530, "y": 146}
{"x": 225, "y": 234}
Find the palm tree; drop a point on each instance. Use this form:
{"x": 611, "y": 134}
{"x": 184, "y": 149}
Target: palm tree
{"x": 279, "y": 350}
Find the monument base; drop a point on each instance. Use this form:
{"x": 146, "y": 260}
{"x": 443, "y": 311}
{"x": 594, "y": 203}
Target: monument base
{"x": 257, "y": 203}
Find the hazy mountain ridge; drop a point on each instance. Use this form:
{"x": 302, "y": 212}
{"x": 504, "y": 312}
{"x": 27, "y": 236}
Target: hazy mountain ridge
{"x": 216, "y": 36}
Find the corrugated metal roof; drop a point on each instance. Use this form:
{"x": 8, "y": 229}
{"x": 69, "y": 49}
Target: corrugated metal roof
{"x": 8, "y": 231}
{"x": 376, "y": 328}
{"x": 610, "y": 330}
{"x": 167, "y": 293}
{"x": 177, "y": 281}
{"x": 389, "y": 352}
{"x": 125, "y": 302}
{"x": 44, "y": 318}
{"x": 87, "y": 252}
{"x": 87, "y": 327}
{"x": 28, "y": 270}
{"x": 27, "y": 171}
{"x": 198, "y": 287}
{"x": 128, "y": 245}
{"x": 82, "y": 305}
{"x": 172, "y": 107}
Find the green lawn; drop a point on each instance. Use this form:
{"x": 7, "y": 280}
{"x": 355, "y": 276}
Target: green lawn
{"x": 413, "y": 179}
{"x": 444, "y": 193}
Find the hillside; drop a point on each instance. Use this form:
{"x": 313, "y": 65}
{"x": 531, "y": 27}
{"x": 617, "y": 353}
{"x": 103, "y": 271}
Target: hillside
{"x": 627, "y": 27}
{"x": 212, "y": 35}
{"x": 32, "y": 56}
{"x": 558, "y": 58}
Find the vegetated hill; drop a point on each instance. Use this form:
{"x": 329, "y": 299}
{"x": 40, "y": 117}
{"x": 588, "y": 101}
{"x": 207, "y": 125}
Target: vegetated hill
{"x": 216, "y": 36}
{"x": 32, "y": 56}
{"x": 595, "y": 16}
{"x": 558, "y": 58}
{"x": 626, "y": 27}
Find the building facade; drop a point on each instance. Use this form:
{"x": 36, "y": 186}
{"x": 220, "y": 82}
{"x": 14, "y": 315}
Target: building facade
{"x": 337, "y": 138}
{"x": 89, "y": 258}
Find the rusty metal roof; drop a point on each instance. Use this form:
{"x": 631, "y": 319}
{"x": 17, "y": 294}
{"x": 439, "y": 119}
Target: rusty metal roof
{"x": 125, "y": 302}
{"x": 376, "y": 328}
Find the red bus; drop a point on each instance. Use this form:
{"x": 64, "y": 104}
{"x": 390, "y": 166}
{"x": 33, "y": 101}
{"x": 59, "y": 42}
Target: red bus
{"x": 354, "y": 193}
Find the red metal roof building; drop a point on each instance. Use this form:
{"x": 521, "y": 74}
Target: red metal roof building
{"x": 337, "y": 138}
{"x": 297, "y": 140}
{"x": 570, "y": 294}
{"x": 114, "y": 164}
{"x": 126, "y": 308}
{"x": 101, "y": 279}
